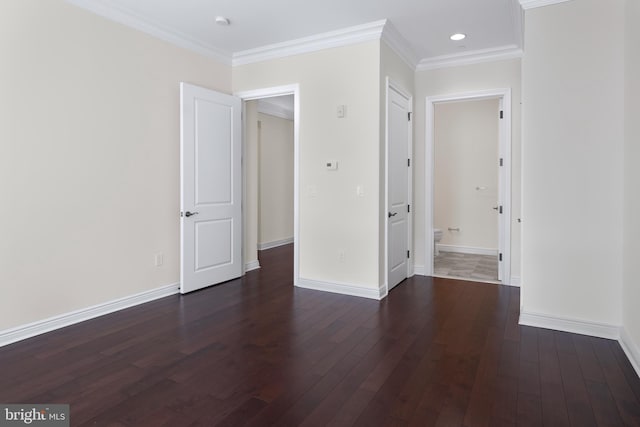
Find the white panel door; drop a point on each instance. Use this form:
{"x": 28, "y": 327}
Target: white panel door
{"x": 398, "y": 123}
{"x": 502, "y": 223}
{"x": 210, "y": 188}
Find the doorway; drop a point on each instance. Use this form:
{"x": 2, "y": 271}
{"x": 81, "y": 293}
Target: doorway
{"x": 468, "y": 213}
{"x": 275, "y": 171}
{"x": 280, "y": 101}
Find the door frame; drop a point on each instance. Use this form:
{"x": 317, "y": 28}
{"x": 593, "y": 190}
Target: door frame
{"x": 504, "y": 174}
{"x": 270, "y": 92}
{"x": 389, "y": 85}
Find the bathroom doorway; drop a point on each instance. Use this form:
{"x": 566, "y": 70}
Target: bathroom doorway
{"x": 468, "y": 148}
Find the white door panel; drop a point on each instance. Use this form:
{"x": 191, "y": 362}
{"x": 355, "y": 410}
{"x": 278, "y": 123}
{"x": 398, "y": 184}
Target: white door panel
{"x": 210, "y": 188}
{"x": 398, "y": 108}
{"x": 501, "y": 195}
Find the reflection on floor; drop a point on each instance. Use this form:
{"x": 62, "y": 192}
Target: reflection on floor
{"x": 467, "y": 266}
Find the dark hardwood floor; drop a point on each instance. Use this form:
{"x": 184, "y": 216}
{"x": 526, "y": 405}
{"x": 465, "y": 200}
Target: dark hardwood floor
{"x": 256, "y": 351}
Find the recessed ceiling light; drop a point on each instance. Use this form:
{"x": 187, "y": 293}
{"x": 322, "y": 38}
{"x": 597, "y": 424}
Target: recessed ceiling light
{"x": 221, "y": 20}
{"x": 457, "y": 37}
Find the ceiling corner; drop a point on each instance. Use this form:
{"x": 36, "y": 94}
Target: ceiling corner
{"x": 131, "y": 19}
{"x": 468, "y": 58}
{"x": 399, "y": 44}
{"x": 343, "y": 37}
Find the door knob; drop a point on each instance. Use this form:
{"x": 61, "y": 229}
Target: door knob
{"x": 188, "y": 214}
{"x": 392, "y": 214}
{"x": 495, "y": 208}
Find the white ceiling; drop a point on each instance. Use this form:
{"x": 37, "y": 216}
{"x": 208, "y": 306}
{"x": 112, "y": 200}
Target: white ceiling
{"x": 425, "y": 25}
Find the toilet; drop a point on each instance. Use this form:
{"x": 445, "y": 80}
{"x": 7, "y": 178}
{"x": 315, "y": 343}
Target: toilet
{"x": 437, "y": 236}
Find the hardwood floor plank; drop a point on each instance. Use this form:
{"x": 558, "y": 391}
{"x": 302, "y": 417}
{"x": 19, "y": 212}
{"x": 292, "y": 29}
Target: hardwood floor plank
{"x": 554, "y": 406}
{"x": 604, "y": 407}
{"x": 256, "y": 351}
{"x": 625, "y": 365}
{"x": 624, "y": 397}
{"x": 578, "y": 405}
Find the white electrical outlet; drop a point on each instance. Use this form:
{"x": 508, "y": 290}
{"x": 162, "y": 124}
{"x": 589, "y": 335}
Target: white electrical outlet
{"x": 159, "y": 259}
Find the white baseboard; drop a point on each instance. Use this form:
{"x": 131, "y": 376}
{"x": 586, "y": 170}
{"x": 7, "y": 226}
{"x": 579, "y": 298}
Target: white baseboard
{"x": 29, "y": 330}
{"x": 274, "y": 244}
{"x": 342, "y": 288}
{"x": 630, "y": 349}
{"x": 515, "y": 281}
{"x": 466, "y": 250}
{"x": 575, "y": 326}
{"x": 252, "y": 265}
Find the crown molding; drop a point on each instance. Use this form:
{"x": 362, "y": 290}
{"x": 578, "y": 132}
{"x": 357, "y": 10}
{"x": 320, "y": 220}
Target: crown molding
{"x": 129, "y": 18}
{"x": 343, "y": 37}
{"x": 271, "y": 109}
{"x": 472, "y": 57}
{"x": 378, "y": 30}
{"x": 531, "y": 4}
{"x": 399, "y": 45}
{"x": 517, "y": 20}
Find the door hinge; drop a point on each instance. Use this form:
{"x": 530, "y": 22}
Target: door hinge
{"x": 408, "y": 162}
{"x": 408, "y": 208}
{"x": 501, "y": 162}
{"x": 409, "y": 116}
{"x": 408, "y": 254}
{"x": 500, "y": 257}
{"x": 181, "y": 214}
{"x": 500, "y": 211}
{"x": 501, "y": 114}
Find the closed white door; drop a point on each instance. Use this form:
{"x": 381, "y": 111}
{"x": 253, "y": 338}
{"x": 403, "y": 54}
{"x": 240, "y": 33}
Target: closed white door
{"x": 502, "y": 223}
{"x": 210, "y": 189}
{"x": 399, "y": 125}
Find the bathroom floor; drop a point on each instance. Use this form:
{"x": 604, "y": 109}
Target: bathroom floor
{"x": 466, "y": 266}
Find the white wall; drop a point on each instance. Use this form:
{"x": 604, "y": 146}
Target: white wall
{"x": 333, "y": 219}
{"x": 631, "y": 230}
{"x": 275, "y": 144}
{"x": 573, "y": 72}
{"x": 89, "y": 158}
{"x": 452, "y": 80}
{"x": 466, "y": 173}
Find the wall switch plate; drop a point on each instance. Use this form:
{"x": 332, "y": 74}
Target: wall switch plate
{"x": 341, "y": 111}
{"x": 331, "y": 165}
{"x": 360, "y": 191}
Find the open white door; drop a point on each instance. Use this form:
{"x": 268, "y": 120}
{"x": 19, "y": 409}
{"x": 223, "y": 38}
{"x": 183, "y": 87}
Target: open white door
{"x": 398, "y": 168}
{"x": 210, "y": 188}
